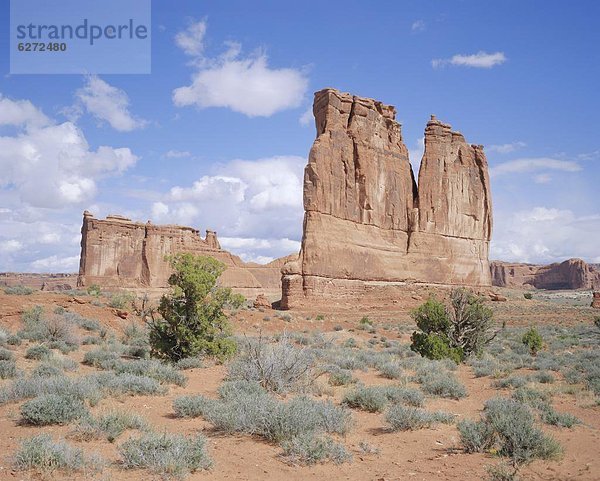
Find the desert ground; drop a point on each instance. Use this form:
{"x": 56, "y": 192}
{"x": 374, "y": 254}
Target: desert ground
{"x": 349, "y": 350}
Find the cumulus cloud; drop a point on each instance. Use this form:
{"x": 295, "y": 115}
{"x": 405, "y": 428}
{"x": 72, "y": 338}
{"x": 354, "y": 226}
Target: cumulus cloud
{"x": 505, "y": 148}
{"x": 533, "y": 164}
{"x": 545, "y": 235}
{"x": 478, "y": 60}
{"x": 108, "y": 104}
{"x": 255, "y": 205}
{"x": 21, "y": 113}
{"x": 48, "y": 173}
{"x": 244, "y": 84}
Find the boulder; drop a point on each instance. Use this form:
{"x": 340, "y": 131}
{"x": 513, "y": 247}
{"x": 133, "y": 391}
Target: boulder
{"x": 262, "y": 302}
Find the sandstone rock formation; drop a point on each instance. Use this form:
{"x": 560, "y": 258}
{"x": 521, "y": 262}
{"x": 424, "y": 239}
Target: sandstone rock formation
{"x": 366, "y": 223}
{"x": 570, "y": 274}
{"x": 596, "y": 300}
{"x": 116, "y": 252}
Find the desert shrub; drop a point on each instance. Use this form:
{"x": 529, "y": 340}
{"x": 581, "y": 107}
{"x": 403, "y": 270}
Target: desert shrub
{"x": 13, "y": 340}
{"x": 452, "y": 332}
{"x": 340, "y": 377}
{"x": 18, "y": 290}
{"x": 309, "y": 449}
{"x": 370, "y": 399}
{"x": 533, "y": 340}
{"x": 166, "y": 454}
{"x": 52, "y": 409}
{"x": 46, "y": 370}
{"x": 278, "y": 367}
{"x": 133, "y": 384}
{"x": 42, "y": 453}
{"x": 408, "y": 418}
{"x": 514, "y": 381}
{"x": 365, "y": 321}
{"x": 135, "y": 335}
{"x": 302, "y": 415}
{"x": 597, "y": 322}
{"x": 543, "y": 377}
{"x": 404, "y": 395}
{"x": 109, "y": 425}
{"x": 6, "y": 355}
{"x": 91, "y": 340}
{"x": 441, "y": 384}
{"x": 96, "y": 357}
{"x": 189, "y": 363}
{"x": 89, "y": 324}
{"x": 8, "y": 369}
{"x": 121, "y": 300}
{"x": 554, "y": 418}
{"x": 508, "y": 426}
{"x": 476, "y": 437}
{"x": 528, "y": 295}
{"x": 193, "y": 321}
{"x": 191, "y": 406}
{"x": 38, "y": 352}
{"x": 531, "y": 396}
{"x": 94, "y": 290}
{"x": 390, "y": 370}
{"x": 151, "y": 368}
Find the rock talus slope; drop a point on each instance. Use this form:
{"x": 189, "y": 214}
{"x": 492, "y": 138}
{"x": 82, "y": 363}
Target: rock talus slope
{"x": 367, "y": 225}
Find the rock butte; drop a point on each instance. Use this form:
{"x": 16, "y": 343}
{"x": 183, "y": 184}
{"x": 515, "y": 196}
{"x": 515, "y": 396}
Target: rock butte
{"x": 367, "y": 225}
{"x": 116, "y": 252}
{"x": 570, "y": 274}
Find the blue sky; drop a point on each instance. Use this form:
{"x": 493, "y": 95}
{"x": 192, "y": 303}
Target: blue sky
{"x": 217, "y": 136}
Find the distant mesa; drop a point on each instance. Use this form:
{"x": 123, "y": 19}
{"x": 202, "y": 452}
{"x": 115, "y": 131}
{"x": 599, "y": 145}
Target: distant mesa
{"x": 570, "y": 274}
{"x": 117, "y": 252}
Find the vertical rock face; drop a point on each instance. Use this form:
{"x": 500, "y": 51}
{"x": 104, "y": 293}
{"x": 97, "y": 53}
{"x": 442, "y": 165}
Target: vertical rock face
{"x": 366, "y": 221}
{"x": 116, "y": 252}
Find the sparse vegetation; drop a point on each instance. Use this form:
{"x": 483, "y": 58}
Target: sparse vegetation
{"x": 52, "y": 409}
{"x": 166, "y": 454}
{"x": 408, "y": 418}
{"x": 533, "y": 340}
{"x": 193, "y": 321}
{"x": 18, "y": 290}
{"x": 109, "y": 425}
{"x": 453, "y": 332}
{"x": 42, "y": 453}
{"x": 508, "y": 427}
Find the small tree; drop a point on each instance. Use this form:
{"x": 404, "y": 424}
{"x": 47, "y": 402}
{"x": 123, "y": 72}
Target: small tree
{"x": 193, "y": 320}
{"x": 533, "y": 340}
{"x": 455, "y": 331}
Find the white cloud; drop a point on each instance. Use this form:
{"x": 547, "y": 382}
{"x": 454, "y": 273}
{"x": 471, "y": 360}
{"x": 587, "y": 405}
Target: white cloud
{"x": 256, "y": 206}
{"x": 545, "y": 235}
{"x": 191, "y": 40}
{"x": 177, "y": 154}
{"x": 56, "y": 264}
{"x": 532, "y": 164}
{"x": 53, "y": 166}
{"x": 247, "y": 85}
{"x": 505, "y": 148}
{"x": 10, "y": 245}
{"x": 108, "y": 104}
{"x": 21, "y": 113}
{"x": 478, "y": 60}
{"x": 307, "y": 117}
{"x": 418, "y": 26}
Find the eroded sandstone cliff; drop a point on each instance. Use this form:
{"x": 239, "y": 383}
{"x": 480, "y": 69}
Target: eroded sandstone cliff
{"x": 570, "y": 274}
{"x": 117, "y": 252}
{"x": 366, "y": 223}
